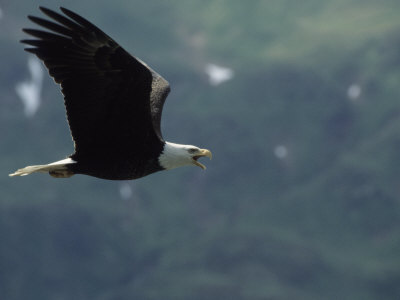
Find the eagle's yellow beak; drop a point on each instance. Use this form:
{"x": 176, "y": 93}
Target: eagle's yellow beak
{"x": 201, "y": 153}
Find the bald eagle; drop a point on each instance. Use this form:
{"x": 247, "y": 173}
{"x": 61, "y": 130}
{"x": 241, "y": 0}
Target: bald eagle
{"x": 113, "y": 103}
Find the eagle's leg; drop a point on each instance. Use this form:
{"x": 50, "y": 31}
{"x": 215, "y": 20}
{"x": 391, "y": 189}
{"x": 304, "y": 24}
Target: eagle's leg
{"x": 61, "y": 173}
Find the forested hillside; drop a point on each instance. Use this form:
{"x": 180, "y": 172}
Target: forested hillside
{"x": 301, "y": 199}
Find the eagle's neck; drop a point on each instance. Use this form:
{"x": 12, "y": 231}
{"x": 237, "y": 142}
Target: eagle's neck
{"x": 173, "y": 156}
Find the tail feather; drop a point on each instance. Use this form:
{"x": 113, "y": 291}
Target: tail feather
{"x": 55, "y": 169}
{"x": 31, "y": 169}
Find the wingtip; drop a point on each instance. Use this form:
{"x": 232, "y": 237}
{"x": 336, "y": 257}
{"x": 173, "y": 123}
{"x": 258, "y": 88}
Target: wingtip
{"x": 43, "y": 9}
{"x": 49, "y": 12}
{"x": 35, "y": 19}
{"x": 64, "y": 10}
{"x": 31, "y": 50}
{"x": 29, "y": 31}
{"x": 69, "y": 13}
{"x": 23, "y": 41}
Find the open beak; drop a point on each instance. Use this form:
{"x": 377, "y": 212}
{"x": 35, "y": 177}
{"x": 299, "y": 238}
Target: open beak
{"x": 202, "y": 153}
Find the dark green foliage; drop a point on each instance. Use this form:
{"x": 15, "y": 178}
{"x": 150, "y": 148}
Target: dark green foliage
{"x": 321, "y": 223}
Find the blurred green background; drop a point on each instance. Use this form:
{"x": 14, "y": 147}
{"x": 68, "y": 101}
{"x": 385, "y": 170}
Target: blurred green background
{"x": 301, "y": 200}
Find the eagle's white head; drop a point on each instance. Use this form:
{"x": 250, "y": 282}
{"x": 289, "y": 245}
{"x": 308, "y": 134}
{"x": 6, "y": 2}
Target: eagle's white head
{"x": 177, "y": 155}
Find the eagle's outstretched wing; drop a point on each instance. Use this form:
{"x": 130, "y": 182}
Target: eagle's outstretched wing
{"x": 113, "y": 100}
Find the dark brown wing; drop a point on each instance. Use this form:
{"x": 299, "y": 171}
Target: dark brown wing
{"x": 113, "y": 100}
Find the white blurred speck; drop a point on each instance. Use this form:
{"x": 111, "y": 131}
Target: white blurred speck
{"x": 125, "y": 190}
{"x": 354, "y": 92}
{"x": 280, "y": 151}
{"x": 1, "y": 13}
{"x": 217, "y": 74}
{"x": 29, "y": 90}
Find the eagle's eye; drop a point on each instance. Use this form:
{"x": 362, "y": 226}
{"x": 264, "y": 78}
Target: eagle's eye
{"x": 192, "y": 150}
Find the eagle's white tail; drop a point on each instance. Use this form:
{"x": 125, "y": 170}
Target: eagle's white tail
{"x": 55, "y": 169}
